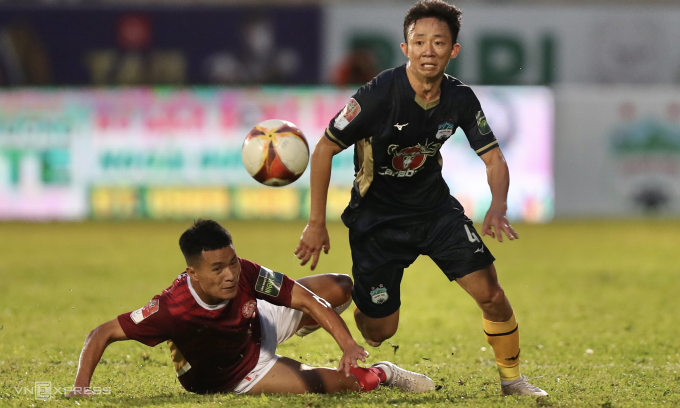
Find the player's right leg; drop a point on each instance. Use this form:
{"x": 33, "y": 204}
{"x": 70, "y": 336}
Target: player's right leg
{"x": 379, "y": 257}
{"x": 275, "y": 374}
{"x": 288, "y": 376}
{"x": 376, "y": 330}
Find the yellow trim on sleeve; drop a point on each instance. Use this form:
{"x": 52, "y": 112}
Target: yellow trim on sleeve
{"x": 495, "y": 142}
{"x": 335, "y": 139}
{"x": 365, "y": 155}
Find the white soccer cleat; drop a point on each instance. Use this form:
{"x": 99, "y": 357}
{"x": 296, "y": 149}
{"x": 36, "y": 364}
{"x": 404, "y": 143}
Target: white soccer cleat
{"x": 403, "y": 379}
{"x": 521, "y": 386}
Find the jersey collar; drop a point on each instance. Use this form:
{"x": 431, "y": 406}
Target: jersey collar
{"x": 201, "y": 302}
{"x": 412, "y": 93}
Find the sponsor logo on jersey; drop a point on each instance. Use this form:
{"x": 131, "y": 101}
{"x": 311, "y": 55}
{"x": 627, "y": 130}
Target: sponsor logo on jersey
{"x": 348, "y": 114}
{"x": 407, "y": 161}
{"x": 482, "y": 124}
{"x": 379, "y": 295}
{"x": 269, "y": 282}
{"x": 140, "y": 314}
{"x": 444, "y": 131}
{"x": 249, "y": 309}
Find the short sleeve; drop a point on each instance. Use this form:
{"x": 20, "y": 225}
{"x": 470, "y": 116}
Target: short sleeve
{"x": 148, "y": 325}
{"x": 475, "y": 126}
{"x": 266, "y": 284}
{"x": 357, "y": 119}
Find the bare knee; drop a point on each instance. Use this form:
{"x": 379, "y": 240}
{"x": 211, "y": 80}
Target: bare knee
{"x": 334, "y": 287}
{"x": 343, "y": 288}
{"x": 495, "y": 305}
{"x": 345, "y": 283}
{"x": 375, "y": 331}
{"x": 380, "y": 335}
{"x": 493, "y": 296}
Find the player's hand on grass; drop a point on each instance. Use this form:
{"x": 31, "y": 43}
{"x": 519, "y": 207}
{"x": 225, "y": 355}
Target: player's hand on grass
{"x": 314, "y": 238}
{"x": 496, "y": 223}
{"x": 350, "y": 357}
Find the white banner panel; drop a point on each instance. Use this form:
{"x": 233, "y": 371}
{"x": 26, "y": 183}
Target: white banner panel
{"x": 617, "y": 151}
{"x": 520, "y": 44}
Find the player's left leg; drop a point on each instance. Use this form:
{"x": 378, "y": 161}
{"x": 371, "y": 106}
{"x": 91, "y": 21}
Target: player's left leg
{"x": 484, "y": 288}
{"x": 454, "y": 245}
{"x": 335, "y": 288}
{"x": 500, "y": 327}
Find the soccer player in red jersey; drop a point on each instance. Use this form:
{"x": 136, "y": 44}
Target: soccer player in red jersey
{"x": 224, "y": 316}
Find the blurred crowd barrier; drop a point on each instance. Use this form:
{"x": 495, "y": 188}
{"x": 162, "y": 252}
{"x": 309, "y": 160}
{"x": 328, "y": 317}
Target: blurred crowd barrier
{"x": 113, "y": 112}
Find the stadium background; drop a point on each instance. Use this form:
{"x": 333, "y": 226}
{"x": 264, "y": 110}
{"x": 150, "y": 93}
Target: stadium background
{"x": 139, "y": 111}
{"x": 126, "y": 120}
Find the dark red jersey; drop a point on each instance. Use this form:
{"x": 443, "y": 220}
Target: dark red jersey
{"x": 213, "y": 346}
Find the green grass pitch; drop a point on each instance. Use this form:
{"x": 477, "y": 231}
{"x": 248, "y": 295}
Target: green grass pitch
{"x": 598, "y": 304}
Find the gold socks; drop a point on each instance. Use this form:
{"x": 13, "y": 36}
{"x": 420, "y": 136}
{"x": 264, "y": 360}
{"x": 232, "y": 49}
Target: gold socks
{"x": 504, "y": 339}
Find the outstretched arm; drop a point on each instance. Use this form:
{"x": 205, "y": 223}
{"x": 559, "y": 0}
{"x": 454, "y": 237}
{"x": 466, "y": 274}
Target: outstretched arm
{"x": 95, "y": 344}
{"x": 315, "y": 236}
{"x": 322, "y": 311}
{"x": 498, "y": 177}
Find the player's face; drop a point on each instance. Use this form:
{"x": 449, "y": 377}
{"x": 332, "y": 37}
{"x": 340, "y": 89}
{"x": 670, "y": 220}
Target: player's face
{"x": 218, "y": 274}
{"x": 429, "y": 48}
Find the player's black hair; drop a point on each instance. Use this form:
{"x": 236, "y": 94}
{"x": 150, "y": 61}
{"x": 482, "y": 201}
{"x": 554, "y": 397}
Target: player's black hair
{"x": 204, "y": 235}
{"x": 438, "y": 9}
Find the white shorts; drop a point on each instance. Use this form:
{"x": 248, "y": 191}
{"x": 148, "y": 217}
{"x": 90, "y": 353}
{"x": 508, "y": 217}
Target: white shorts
{"x": 278, "y": 324}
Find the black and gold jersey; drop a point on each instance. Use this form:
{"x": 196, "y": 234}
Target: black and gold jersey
{"x": 397, "y": 137}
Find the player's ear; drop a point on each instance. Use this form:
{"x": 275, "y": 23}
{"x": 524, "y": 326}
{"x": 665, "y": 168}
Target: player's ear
{"x": 455, "y": 50}
{"x": 191, "y": 272}
{"x": 404, "y": 49}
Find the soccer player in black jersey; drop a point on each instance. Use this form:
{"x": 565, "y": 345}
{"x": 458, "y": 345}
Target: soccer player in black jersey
{"x": 400, "y": 206}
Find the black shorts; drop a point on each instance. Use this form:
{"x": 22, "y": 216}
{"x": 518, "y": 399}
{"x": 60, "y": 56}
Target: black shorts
{"x": 380, "y": 255}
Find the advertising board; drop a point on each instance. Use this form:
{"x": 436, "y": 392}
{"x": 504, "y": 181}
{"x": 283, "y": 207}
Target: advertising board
{"x": 163, "y": 153}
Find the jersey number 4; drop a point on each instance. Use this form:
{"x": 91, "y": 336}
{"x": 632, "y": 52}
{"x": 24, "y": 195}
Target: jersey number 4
{"x": 471, "y": 235}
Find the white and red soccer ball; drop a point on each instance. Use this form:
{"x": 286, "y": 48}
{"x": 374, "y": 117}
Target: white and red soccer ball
{"x": 275, "y": 152}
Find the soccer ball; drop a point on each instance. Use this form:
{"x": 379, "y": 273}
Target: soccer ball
{"x": 275, "y": 152}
